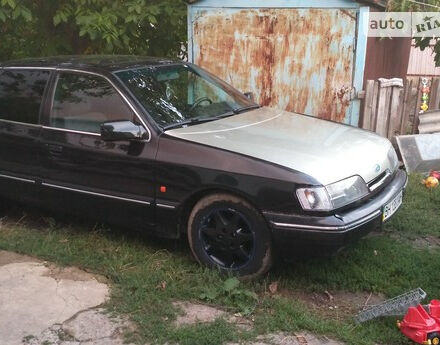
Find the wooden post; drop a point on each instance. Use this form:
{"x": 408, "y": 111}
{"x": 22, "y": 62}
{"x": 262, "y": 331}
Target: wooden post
{"x": 384, "y": 104}
{"x": 434, "y": 99}
{"x": 368, "y": 105}
{"x": 383, "y": 110}
{"x": 374, "y": 106}
{"x": 395, "y": 112}
{"x": 406, "y": 106}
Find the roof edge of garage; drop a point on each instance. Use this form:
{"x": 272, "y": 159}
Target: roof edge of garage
{"x": 376, "y": 3}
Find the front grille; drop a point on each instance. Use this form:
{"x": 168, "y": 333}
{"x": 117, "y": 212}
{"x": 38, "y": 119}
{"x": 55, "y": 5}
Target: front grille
{"x": 379, "y": 180}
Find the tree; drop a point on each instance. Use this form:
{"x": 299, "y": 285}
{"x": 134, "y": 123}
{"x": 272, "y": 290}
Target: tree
{"x": 419, "y": 6}
{"x": 31, "y": 28}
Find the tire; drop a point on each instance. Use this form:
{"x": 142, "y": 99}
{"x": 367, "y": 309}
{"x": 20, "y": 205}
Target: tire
{"x": 227, "y": 233}
{"x": 435, "y": 338}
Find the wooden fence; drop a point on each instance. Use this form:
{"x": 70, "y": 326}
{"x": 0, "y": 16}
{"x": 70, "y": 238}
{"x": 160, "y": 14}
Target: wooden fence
{"x": 391, "y": 106}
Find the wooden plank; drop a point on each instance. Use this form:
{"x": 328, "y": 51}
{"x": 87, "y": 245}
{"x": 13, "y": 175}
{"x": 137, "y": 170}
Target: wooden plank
{"x": 412, "y": 105}
{"x": 404, "y": 119}
{"x": 417, "y": 102}
{"x": 374, "y": 106}
{"x": 368, "y": 105}
{"x": 361, "y": 94}
{"x": 434, "y": 100}
{"x": 395, "y": 112}
{"x": 391, "y": 82}
{"x": 383, "y": 110}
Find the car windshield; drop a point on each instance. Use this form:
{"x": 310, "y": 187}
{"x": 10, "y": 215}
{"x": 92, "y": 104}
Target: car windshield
{"x": 183, "y": 94}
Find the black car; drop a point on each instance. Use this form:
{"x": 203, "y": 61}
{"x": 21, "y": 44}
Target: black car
{"x": 168, "y": 148}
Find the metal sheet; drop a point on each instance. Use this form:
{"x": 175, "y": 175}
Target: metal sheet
{"x": 429, "y": 122}
{"x": 421, "y": 152}
{"x": 299, "y": 60}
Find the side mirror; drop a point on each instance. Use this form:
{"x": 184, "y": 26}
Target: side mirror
{"x": 250, "y": 95}
{"x": 122, "y": 130}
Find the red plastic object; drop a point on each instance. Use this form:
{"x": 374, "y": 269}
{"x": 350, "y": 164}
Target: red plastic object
{"x": 421, "y": 327}
{"x": 435, "y": 174}
{"x": 434, "y": 309}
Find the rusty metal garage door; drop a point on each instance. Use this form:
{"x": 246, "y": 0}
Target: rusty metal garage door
{"x": 295, "y": 59}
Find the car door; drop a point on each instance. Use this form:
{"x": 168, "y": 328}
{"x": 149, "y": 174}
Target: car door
{"x": 21, "y": 97}
{"x": 111, "y": 180}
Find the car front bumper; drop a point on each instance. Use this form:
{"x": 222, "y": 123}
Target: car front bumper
{"x": 311, "y": 235}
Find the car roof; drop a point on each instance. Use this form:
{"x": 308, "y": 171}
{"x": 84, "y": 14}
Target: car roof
{"x": 107, "y": 63}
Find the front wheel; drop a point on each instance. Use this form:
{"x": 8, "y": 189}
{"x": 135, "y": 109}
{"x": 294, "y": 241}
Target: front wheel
{"x": 434, "y": 338}
{"x": 227, "y": 233}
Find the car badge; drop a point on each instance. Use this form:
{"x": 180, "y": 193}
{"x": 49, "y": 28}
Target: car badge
{"x": 377, "y": 168}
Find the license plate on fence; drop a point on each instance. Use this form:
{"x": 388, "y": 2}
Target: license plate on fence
{"x": 390, "y": 208}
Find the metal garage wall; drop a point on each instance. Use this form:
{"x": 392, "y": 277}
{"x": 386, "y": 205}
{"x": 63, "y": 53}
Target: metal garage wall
{"x": 298, "y": 59}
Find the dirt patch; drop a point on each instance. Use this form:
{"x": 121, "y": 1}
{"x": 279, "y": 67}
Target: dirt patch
{"x": 299, "y": 338}
{"x": 427, "y": 242}
{"x": 72, "y": 273}
{"x": 193, "y": 313}
{"x": 7, "y": 258}
{"x": 339, "y": 305}
{"x": 55, "y": 272}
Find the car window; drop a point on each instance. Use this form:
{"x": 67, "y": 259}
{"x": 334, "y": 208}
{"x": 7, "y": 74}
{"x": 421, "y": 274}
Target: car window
{"x": 173, "y": 94}
{"x": 21, "y": 94}
{"x": 83, "y": 102}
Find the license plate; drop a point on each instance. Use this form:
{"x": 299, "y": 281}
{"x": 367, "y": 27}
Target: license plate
{"x": 390, "y": 208}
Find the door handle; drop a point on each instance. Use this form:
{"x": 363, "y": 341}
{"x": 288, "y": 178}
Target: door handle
{"x": 55, "y": 149}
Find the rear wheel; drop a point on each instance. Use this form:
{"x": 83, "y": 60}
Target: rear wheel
{"x": 227, "y": 233}
{"x": 435, "y": 338}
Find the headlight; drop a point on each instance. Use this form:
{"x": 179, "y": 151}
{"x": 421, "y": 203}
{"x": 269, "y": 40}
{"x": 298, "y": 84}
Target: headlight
{"x": 316, "y": 199}
{"x": 332, "y": 196}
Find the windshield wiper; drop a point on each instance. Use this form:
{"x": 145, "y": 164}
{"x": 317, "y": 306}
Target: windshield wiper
{"x": 190, "y": 122}
{"x": 197, "y": 120}
{"x": 249, "y": 107}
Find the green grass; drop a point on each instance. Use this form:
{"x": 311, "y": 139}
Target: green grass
{"x": 420, "y": 213}
{"x": 136, "y": 268}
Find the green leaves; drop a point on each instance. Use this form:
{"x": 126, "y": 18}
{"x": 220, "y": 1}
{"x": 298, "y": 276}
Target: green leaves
{"x": 62, "y": 15}
{"x": 92, "y": 26}
{"x": 209, "y": 294}
{"x": 25, "y": 13}
{"x": 21, "y": 11}
{"x": 231, "y": 284}
{"x": 11, "y": 3}
{"x": 10, "y": 9}
{"x": 2, "y": 15}
{"x": 230, "y": 292}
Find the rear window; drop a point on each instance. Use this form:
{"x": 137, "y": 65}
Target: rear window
{"x": 21, "y": 94}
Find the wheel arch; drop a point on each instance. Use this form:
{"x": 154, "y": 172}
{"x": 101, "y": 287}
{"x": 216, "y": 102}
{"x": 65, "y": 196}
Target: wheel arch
{"x": 189, "y": 203}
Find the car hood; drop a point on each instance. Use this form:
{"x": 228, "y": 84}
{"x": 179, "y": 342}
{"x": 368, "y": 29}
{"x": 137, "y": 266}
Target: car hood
{"x": 325, "y": 150}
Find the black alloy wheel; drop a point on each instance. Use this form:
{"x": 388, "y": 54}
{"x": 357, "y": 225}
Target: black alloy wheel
{"x": 227, "y": 238}
{"x": 227, "y": 233}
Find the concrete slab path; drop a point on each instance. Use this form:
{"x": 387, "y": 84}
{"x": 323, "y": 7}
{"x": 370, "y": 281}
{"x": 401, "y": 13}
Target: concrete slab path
{"x": 35, "y": 295}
